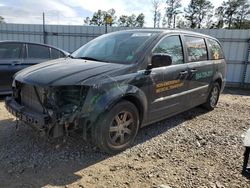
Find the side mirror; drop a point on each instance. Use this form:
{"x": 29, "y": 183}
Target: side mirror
{"x": 161, "y": 60}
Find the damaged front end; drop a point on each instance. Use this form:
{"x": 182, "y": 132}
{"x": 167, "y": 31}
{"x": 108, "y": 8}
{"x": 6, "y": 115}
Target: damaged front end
{"x": 53, "y": 111}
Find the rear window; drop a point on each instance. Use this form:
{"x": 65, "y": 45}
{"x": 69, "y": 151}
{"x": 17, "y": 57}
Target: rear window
{"x": 196, "y": 49}
{"x": 215, "y": 50}
{"x": 38, "y": 52}
{"x": 10, "y": 51}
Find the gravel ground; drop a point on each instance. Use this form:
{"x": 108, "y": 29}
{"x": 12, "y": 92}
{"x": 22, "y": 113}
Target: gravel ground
{"x": 193, "y": 149}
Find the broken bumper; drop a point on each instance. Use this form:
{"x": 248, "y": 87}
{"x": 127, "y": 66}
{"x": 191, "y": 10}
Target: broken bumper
{"x": 21, "y": 113}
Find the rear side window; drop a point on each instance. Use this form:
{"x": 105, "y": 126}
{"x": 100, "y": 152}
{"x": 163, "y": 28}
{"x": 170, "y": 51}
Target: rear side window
{"x": 196, "y": 49}
{"x": 172, "y": 46}
{"x": 56, "y": 54}
{"x": 38, "y": 52}
{"x": 10, "y": 51}
{"x": 215, "y": 50}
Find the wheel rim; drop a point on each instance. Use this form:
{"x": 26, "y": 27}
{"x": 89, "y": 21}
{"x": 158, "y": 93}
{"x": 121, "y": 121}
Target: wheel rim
{"x": 121, "y": 129}
{"x": 214, "y": 96}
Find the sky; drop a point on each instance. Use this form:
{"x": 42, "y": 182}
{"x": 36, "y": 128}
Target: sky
{"x": 73, "y": 12}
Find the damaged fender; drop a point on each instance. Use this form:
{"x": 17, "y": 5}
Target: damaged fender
{"x": 96, "y": 104}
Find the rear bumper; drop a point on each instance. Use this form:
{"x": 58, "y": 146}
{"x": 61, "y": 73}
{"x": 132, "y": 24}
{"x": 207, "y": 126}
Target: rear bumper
{"x": 25, "y": 115}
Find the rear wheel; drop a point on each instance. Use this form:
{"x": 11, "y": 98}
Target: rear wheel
{"x": 116, "y": 130}
{"x": 213, "y": 97}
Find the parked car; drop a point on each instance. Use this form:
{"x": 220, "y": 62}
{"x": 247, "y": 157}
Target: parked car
{"x": 15, "y": 56}
{"x": 119, "y": 82}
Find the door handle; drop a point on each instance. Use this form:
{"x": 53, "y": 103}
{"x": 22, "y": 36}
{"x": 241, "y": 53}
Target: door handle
{"x": 193, "y": 71}
{"x": 14, "y": 63}
{"x": 182, "y": 73}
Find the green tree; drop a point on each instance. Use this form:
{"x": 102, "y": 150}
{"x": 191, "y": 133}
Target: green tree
{"x": 158, "y": 20}
{"x": 140, "y": 20}
{"x": 245, "y": 24}
{"x": 190, "y": 14}
{"x": 2, "y": 19}
{"x": 98, "y": 18}
{"x": 228, "y": 11}
{"x": 164, "y": 21}
{"x": 243, "y": 13}
{"x": 86, "y": 21}
{"x": 123, "y": 21}
{"x": 181, "y": 22}
{"x": 219, "y": 14}
{"x": 197, "y": 11}
{"x": 157, "y": 14}
{"x": 233, "y": 14}
{"x": 111, "y": 13}
{"x": 103, "y": 17}
{"x": 173, "y": 8}
{"x": 132, "y": 20}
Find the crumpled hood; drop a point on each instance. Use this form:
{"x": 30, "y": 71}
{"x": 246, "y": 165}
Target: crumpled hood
{"x": 66, "y": 72}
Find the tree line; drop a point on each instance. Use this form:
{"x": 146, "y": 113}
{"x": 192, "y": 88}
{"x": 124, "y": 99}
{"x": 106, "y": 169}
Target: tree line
{"x": 101, "y": 18}
{"x": 231, "y": 14}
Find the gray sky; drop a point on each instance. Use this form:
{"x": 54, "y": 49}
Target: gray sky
{"x": 72, "y": 12}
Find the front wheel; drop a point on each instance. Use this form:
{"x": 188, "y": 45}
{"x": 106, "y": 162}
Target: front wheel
{"x": 213, "y": 97}
{"x": 116, "y": 130}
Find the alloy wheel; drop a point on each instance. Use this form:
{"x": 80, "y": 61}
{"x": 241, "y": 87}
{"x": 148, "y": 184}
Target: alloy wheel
{"x": 121, "y": 128}
{"x": 214, "y": 96}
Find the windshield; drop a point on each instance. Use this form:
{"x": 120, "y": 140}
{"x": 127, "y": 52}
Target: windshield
{"x": 124, "y": 48}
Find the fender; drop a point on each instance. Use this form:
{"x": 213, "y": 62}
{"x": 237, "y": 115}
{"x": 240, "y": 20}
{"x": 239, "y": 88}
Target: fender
{"x": 218, "y": 75}
{"x": 104, "y": 102}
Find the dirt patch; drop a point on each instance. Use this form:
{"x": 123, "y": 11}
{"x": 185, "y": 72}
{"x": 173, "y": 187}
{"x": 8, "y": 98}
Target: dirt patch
{"x": 193, "y": 149}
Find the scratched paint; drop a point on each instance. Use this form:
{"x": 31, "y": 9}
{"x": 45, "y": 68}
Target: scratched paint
{"x": 202, "y": 75}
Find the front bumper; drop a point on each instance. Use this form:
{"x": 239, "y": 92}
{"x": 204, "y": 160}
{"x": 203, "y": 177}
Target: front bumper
{"x": 25, "y": 115}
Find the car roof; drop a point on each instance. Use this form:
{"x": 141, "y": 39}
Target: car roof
{"x": 21, "y": 42}
{"x": 177, "y": 31}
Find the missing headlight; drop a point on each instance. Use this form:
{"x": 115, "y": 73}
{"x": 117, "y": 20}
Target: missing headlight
{"x": 65, "y": 99}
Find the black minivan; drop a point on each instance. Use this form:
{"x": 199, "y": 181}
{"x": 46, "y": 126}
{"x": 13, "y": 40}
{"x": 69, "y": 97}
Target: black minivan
{"x": 119, "y": 82}
{"x": 15, "y": 56}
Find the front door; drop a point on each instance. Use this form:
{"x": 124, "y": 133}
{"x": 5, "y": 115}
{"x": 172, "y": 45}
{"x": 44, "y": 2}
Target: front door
{"x": 169, "y": 81}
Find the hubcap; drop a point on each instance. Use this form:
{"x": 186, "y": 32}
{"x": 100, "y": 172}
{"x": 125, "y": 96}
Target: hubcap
{"x": 214, "y": 96}
{"x": 121, "y": 128}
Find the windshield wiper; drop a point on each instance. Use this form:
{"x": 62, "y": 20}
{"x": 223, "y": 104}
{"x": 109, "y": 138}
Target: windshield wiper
{"x": 89, "y": 58}
{"x": 70, "y": 56}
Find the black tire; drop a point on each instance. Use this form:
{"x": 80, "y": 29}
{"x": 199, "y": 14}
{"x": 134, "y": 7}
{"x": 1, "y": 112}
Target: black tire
{"x": 213, "y": 97}
{"x": 116, "y": 130}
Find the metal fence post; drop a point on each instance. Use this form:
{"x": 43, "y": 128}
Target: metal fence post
{"x": 246, "y": 64}
{"x": 44, "y": 32}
